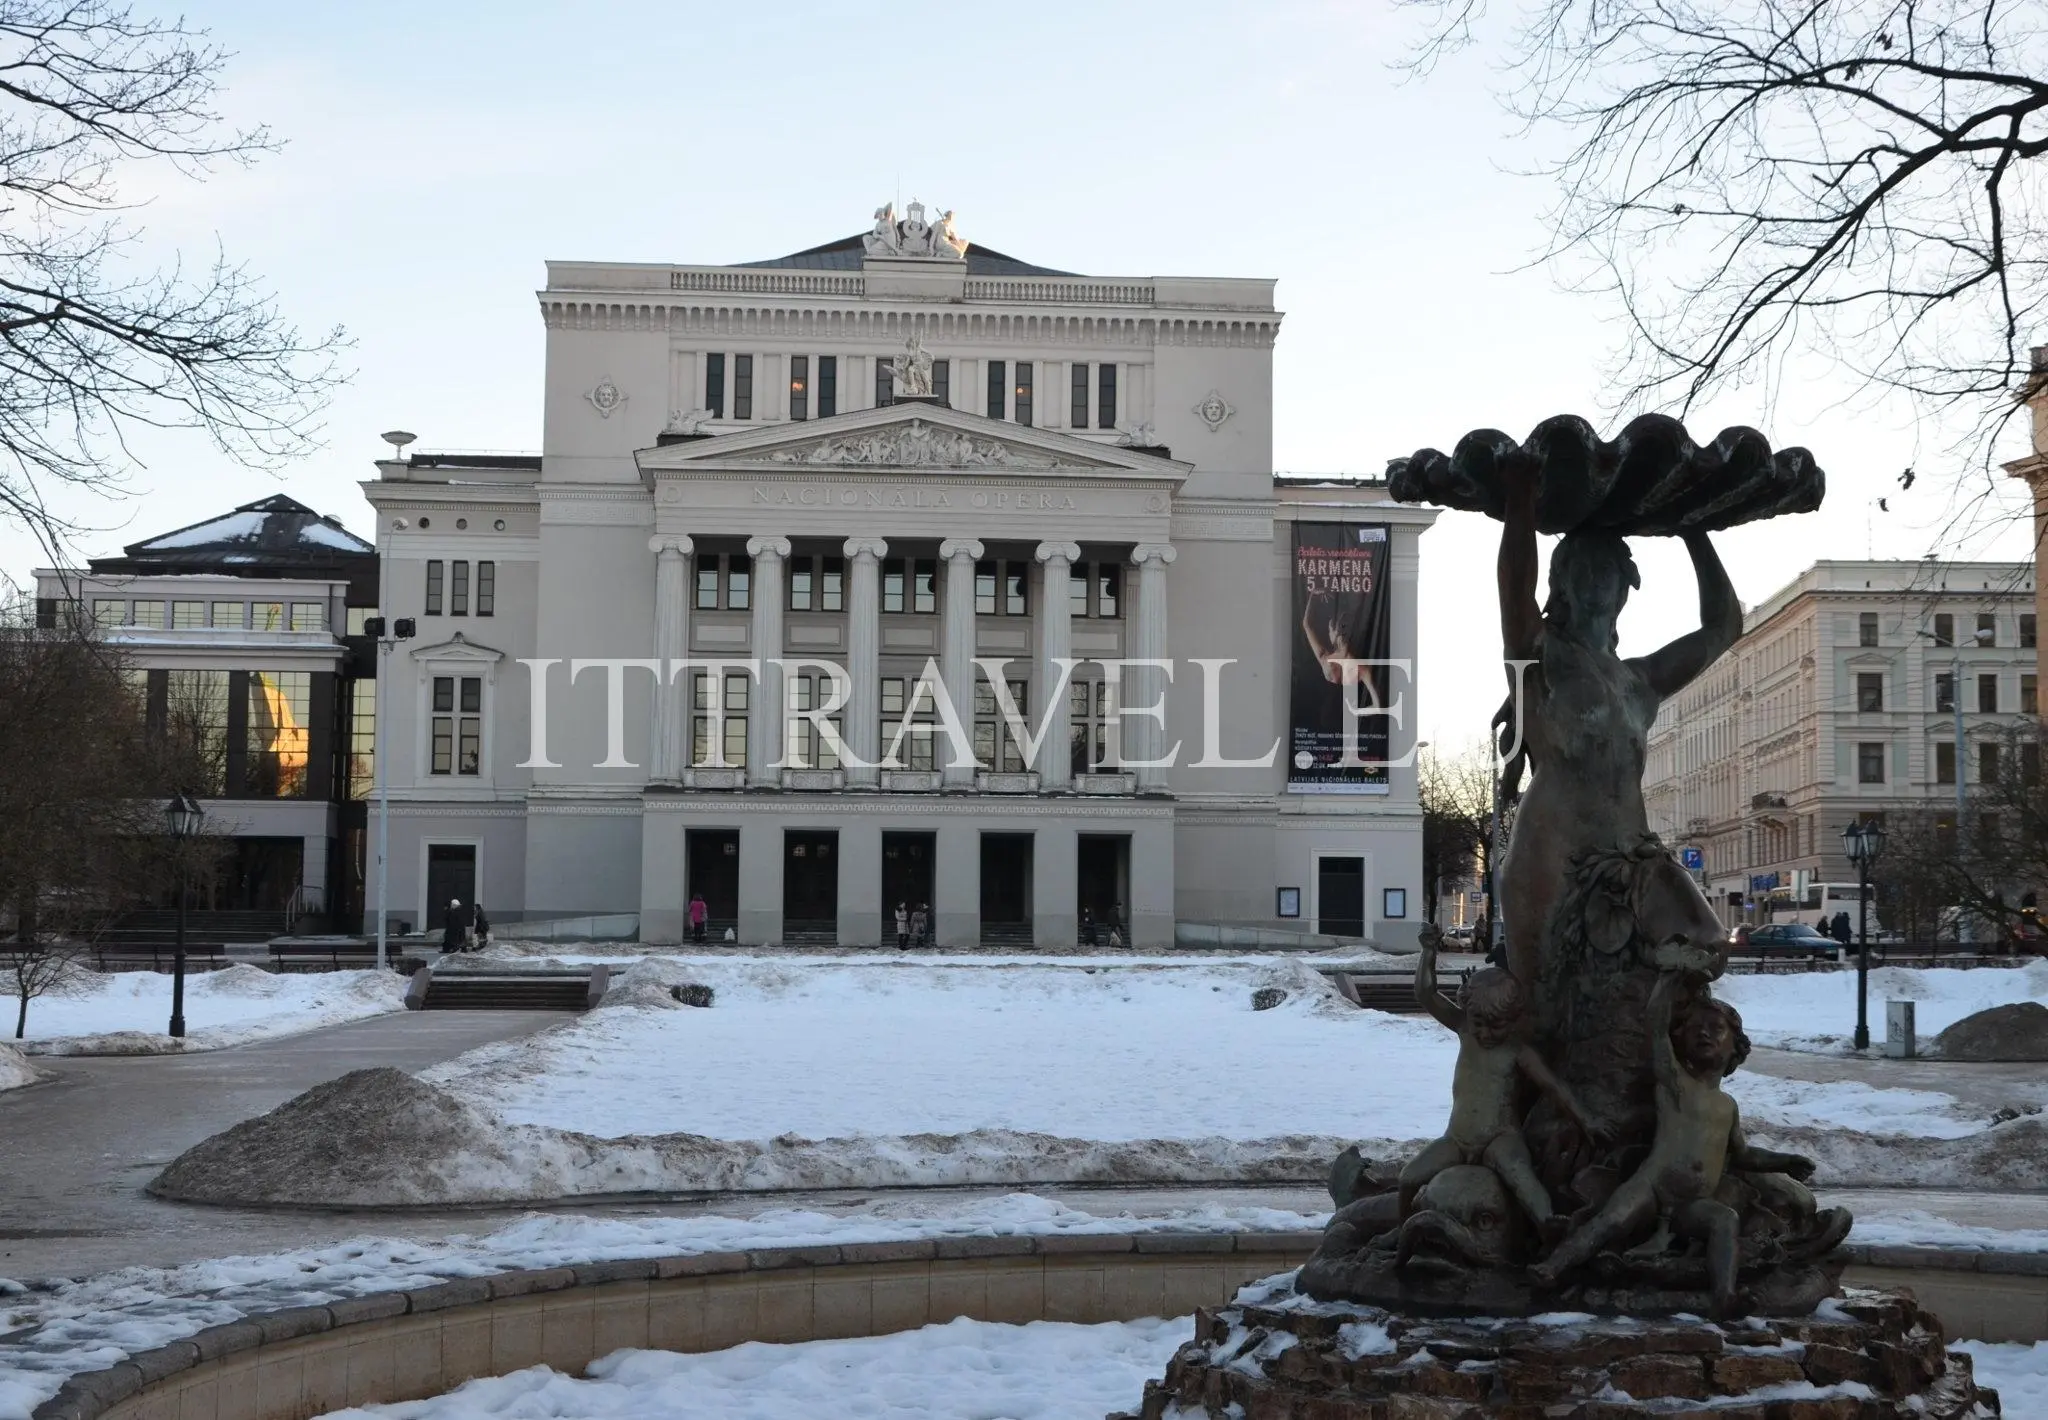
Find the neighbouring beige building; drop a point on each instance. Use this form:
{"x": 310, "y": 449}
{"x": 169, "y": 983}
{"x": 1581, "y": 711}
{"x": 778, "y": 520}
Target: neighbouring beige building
{"x": 1840, "y": 700}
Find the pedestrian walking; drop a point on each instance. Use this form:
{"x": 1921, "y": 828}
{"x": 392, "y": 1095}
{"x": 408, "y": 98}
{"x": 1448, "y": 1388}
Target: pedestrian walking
{"x": 479, "y": 929}
{"x": 920, "y": 923}
{"x": 454, "y": 930}
{"x": 700, "y": 913}
{"x": 902, "y": 926}
{"x": 1840, "y": 930}
{"x": 1088, "y": 933}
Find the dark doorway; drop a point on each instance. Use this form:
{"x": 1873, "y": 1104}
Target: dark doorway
{"x": 1340, "y": 897}
{"x": 451, "y": 875}
{"x": 255, "y": 875}
{"x": 810, "y": 885}
{"x": 1103, "y": 883}
{"x": 906, "y": 876}
{"x": 1005, "y": 881}
{"x": 711, "y": 865}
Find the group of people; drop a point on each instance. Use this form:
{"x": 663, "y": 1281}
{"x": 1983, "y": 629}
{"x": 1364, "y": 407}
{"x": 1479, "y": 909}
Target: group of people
{"x": 465, "y": 931}
{"x": 913, "y": 926}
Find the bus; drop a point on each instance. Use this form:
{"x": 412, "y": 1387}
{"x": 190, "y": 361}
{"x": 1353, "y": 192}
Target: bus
{"x": 1817, "y": 908}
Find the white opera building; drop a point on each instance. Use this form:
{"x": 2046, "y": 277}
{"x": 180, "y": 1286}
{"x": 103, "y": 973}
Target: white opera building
{"x": 901, "y": 571}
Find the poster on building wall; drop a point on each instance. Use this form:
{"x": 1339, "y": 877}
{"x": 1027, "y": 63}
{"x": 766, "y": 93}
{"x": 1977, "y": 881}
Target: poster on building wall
{"x": 1340, "y": 614}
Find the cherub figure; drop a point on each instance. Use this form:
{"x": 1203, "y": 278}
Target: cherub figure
{"x": 1494, "y": 1056}
{"x": 1699, "y": 1138}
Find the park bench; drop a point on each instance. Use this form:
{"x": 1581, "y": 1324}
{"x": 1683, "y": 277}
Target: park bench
{"x": 336, "y": 955}
{"x": 158, "y": 956}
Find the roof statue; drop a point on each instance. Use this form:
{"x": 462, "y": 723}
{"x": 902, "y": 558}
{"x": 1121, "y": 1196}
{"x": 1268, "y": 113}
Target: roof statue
{"x": 914, "y": 369}
{"x": 688, "y": 421}
{"x": 912, "y": 236}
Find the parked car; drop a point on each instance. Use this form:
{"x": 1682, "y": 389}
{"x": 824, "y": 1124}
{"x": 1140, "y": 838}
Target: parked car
{"x": 1790, "y": 939}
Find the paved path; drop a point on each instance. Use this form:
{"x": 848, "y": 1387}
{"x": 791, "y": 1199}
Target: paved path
{"x": 1988, "y": 1086}
{"x": 75, "y": 1151}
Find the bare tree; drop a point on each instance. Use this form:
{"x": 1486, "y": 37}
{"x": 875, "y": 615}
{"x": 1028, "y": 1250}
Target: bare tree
{"x": 1997, "y": 865}
{"x": 39, "y": 969}
{"x": 1848, "y": 178}
{"x": 1456, "y": 793}
{"x": 94, "y": 340}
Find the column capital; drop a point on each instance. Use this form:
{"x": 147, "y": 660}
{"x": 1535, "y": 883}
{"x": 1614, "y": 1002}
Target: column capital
{"x": 768, "y": 546}
{"x": 1069, "y": 551}
{"x": 865, "y": 547}
{"x": 1160, "y": 552}
{"x": 960, "y": 547}
{"x": 680, "y": 543}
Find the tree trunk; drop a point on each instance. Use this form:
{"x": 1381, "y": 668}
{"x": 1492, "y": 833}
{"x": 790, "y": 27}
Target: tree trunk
{"x": 21, "y": 1018}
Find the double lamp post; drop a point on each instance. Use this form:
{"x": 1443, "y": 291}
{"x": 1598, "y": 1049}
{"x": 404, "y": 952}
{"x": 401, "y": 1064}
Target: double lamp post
{"x": 1863, "y": 842}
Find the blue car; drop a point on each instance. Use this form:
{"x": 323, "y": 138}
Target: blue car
{"x": 1789, "y": 939}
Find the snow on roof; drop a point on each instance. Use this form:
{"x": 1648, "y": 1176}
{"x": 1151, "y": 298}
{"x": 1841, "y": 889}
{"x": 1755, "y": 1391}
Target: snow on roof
{"x": 277, "y": 528}
{"x": 235, "y": 527}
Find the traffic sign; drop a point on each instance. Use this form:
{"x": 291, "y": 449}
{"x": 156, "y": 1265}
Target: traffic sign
{"x": 1692, "y": 859}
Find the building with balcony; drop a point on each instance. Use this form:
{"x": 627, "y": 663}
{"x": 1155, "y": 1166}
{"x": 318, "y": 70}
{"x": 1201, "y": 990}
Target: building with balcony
{"x": 1859, "y": 687}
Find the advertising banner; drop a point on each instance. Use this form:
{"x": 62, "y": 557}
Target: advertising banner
{"x": 1340, "y": 614}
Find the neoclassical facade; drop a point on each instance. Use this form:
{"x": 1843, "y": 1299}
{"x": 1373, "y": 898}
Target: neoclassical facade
{"x": 825, "y": 594}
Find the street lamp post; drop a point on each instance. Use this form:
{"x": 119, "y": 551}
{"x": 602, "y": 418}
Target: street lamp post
{"x": 1863, "y": 842}
{"x": 400, "y": 629}
{"x": 184, "y": 815}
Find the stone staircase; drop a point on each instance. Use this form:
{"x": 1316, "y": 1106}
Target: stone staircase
{"x": 462, "y": 989}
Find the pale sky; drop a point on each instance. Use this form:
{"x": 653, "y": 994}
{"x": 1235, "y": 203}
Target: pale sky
{"x": 438, "y": 155}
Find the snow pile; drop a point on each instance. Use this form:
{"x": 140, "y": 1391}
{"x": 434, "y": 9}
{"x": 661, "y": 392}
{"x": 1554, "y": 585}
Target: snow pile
{"x": 15, "y": 1069}
{"x": 2015, "y": 1032}
{"x": 1816, "y": 1010}
{"x": 50, "y": 1330}
{"x": 126, "y": 1012}
{"x": 2019, "y": 1373}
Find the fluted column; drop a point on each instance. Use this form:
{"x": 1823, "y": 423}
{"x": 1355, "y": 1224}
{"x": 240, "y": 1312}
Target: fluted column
{"x": 1145, "y": 737}
{"x": 764, "y": 709}
{"x": 957, "y": 639}
{"x": 862, "y": 725}
{"x": 671, "y": 644}
{"x": 1055, "y": 642}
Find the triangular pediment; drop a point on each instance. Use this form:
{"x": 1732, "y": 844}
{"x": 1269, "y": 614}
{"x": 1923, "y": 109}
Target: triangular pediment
{"x": 908, "y": 437}
{"x": 457, "y": 648}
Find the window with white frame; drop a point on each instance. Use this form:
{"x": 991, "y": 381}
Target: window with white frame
{"x": 732, "y": 731}
{"x": 1088, "y": 726}
{"x": 909, "y": 715}
{"x": 456, "y": 729}
{"x": 806, "y": 745}
{"x": 995, "y": 742}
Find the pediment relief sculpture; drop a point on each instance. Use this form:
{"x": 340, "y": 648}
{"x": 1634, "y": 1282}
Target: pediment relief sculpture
{"x": 920, "y": 445}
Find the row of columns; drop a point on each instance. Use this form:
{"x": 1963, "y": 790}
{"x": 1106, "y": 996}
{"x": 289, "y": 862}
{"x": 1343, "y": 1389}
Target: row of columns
{"x": 861, "y": 719}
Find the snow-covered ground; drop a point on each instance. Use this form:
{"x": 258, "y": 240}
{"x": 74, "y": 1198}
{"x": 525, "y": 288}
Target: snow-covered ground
{"x": 1044, "y": 1371}
{"x": 2018, "y": 1373}
{"x": 832, "y": 1049}
{"x": 1816, "y": 1010}
{"x": 127, "y": 1011}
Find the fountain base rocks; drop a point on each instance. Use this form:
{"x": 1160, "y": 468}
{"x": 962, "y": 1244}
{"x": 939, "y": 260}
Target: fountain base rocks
{"x": 1274, "y": 1354}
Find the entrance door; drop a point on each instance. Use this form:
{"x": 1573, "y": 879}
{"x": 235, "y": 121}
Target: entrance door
{"x": 906, "y": 876}
{"x": 263, "y": 875}
{"x": 1005, "y": 884}
{"x": 810, "y": 885}
{"x": 1102, "y": 883}
{"x": 451, "y": 876}
{"x": 1340, "y": 897}
{"x": 711, "y": 865}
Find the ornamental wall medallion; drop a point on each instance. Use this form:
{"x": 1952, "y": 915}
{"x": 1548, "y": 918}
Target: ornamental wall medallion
{"x": 1214, "y": 409}
{"x": 606, "y": 398}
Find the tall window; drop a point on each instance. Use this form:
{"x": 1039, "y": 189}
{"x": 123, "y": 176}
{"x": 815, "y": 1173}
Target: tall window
{"x": 458, "y": 589}
{"x": 2030, "y": 694}
{"x": 486, "y": 588}
{"x": 817, "y": 583}
{"x": 1944, "y": 629}
{"x": 807, "y": 747}
{"x": 1869, "y": 691}
{"x": 1000, "y": 588}
{"x": 1077, "y": 395}
{"x": 2030, "y": 761}
{"x": 2027, "y": 629}
{"x": 733, "y": 730}
{"x": 458, "y": 732}
{"x": 1105, "y": 396}
{"x": 1944, "y": 693}
{"x": 362, "y": 738}
{"x": 743, "y": 387}
{"x": 196, "y": 721}
{"x": 1987, "y": 694}
{"x": 908, "y": 712}
{"x": 1023, "y": 410}
{"x": 995, "y": 745}
{"x": 280, "y": 709}
{"x": 942, "y": 382}
{"x": 885, "y": 381}
{"x": 435, "y": 573}
{"x": 1987, "y": 762}
{"x": 998, "y": 389}
{"x": 892, "y": 584}
{"x": 1945, "y": 762}
{"x": 1088, "y": 725}
{"x": 1866, "y": 628}
{"x": 828, "y": 386}
{"x": 802, "y": 577}
{"x": 910, "y": 584}
{"x": 714, "y": 385}
{"x": 1987, "y": 629}
{"x": 1870, "y": 763}
{"x": 924, "y": 585}
{"x": 799, "y": 387}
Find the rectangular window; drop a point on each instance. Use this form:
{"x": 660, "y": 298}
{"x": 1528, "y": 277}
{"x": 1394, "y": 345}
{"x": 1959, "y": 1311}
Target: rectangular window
{"x": 832, "y": 589}
{"x": 1944, "y": 693}
{"x": 739, "y": 582}
{"x": 188, "y": 616}
{"x": 924, "y": 598}
{"x": 707, "y": 583}
{"x": 458, "y": 589}
{"x": 809, "y": 746}
{"x": 277, "y": 743}
{"x": 486, "y": 588}
{"x": 1105, "y": 397}
{"x": 358, "y": 617}
{"x": 1023, "y": 413}
{"x": 1109, "y": 581}
{"x": 1945, "y": 762}
{"x": 362, "y": 738}
{"x": 908, "y": 716}
{"x": 1987, "y": 763}
{"x": 1869, "y": 691}
{"x": 230, "y": 615}
{"x": 2030, "y": 762}
{"x": 743, "y": 387}
{"x": 985, "y": 589}
{"x": 196, "y": 723}
{"x": 1987, "y": 694}
{"x": 434, "y": 576}
{"x": 1866, "y": 628}
{"x": 799, "y": 386}
{"x": 998, "y": 389}
{"x": 267, "y": 616}
{"x": 1869, "y": 763}
{"x": 733, "y": 720}
{"x": 828, "y": 386}
{"x": 800, "y": 580}
{"x": 942, "y": 382}
{"x": 1987, "y": 629}
{"x": 1944, "y": 629}
{"x": 885, "y": 381}
{"x": 2027, "y": 629}
{"x": 149, "y": 614}
{"x": 457, "y": 733}
{"x": 2030, "y": 694}
{"x": 1016, "y": 580}
{"x": 1077, "y": 395}
{"x": 714, "y": 385}
{"x": 109, "y": 613}
{"x": 892, "y": 584}
{"x": 309, "y": 616}
{"x": 1077, "y": 589}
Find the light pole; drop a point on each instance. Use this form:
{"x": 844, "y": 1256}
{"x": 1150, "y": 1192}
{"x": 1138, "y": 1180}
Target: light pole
{"x": 184, "y": 816}
{"x": 401, "y": 630}
{"x": 1863, "y": 842}
{"x": 1955, "y": 686}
